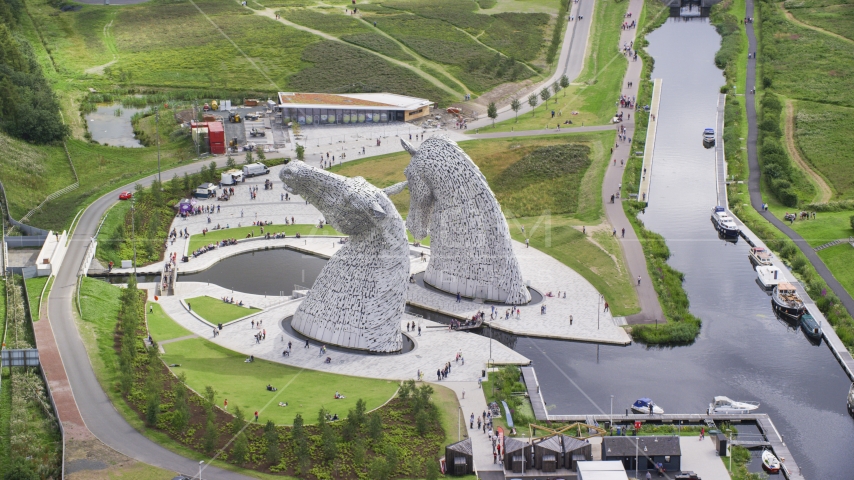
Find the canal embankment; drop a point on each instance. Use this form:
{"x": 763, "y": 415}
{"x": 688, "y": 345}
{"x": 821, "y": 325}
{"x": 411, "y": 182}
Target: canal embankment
{"x": 649, "y": 150}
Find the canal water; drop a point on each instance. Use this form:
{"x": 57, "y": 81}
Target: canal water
{"x": 108, "y": 128}
{"x": 743, "y": 351}
{"x": 262, "y": 272}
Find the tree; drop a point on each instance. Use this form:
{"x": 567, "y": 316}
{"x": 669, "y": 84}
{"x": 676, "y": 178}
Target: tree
{"x": 532, "y": 101}
{"x": 212, "y": 172}
{"x": 249, "y": 159}
{"x": 556, "y": 88}
{"x": 515, "y": 105}
{"x": 181, "y": 414}
{"x": 492, "y": 112}
{"x": 240, "y": 449}
{"x": 230, "y": 163}
{"x": 564, "y": 83}
{"x": 852, "y": 221}
{"x": 358, "y": 450}
{"x": 545, "y": 94}
{"x": 375, "y": 426}
{"x": 238, "y": 422}
{"x": 301, "y": 450}
{"x": 209, "y": 437}
{"x": 300, "y": 152}
{"x": 271, "y": 435}
{"x": 175, "y": 185}
{"x": 329, "y": 442}
{"x": 432, "y": 470}
{"x": 260, "y": 154}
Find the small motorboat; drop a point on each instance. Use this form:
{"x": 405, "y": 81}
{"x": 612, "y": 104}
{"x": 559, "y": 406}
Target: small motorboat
{"x": 770, "y": 462}
{"x": 724, "y": 224}
{"x": 769, "y": 276}
{"x": 726, "y": 405}
{"x": 708, "y": 137}
{"x": 811, "y": 326}
{"x": 786, "y": 301}
{"x": 642, "y": 405}
{"x": 760, "y": 256}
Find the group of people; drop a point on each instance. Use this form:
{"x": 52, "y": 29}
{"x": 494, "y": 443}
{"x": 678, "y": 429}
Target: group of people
{"x": 231, "y": 300}
{"x": 204, "y": 249}
{"x": 410, "y": 327}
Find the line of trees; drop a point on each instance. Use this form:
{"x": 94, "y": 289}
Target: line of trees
{"x": 28, "y": 108}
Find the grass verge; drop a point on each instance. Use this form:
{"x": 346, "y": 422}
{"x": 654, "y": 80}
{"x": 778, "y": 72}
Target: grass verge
{"x": 199, "y": 240}
{"x": 161, "y": 326}
{"x": 215, "y": 311}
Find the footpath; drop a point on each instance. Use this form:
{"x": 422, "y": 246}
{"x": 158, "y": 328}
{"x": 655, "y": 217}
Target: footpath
{"x": 632, "y": 248}
{"x": 753, "y": 183}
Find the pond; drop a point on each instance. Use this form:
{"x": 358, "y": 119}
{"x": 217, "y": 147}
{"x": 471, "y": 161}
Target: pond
{"x": 110, "y": 125}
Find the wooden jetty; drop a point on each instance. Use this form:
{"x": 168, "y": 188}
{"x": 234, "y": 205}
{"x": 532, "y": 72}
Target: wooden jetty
{"x": 533, "y": 386}
{"x": 773, "y": 439}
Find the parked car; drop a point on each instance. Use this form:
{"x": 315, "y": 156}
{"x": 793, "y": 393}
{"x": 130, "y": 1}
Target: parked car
{"x": 687, "y": 476}
{"x": 125, "y": 196}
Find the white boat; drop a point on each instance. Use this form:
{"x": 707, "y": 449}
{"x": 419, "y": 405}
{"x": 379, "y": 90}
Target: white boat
{"x": 724, "y": 224}
{"x": 728, "y": 406}
{"x": 769, "y": 276}
{"x": 642, "y": 405}
{"x": 708, "y": 137}
{"x": 770, "y": 462}
{"x": 760, "y": 256}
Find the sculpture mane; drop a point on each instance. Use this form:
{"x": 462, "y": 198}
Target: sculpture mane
{"x": 450, "y": 201}
{"x": 357, "y": 300}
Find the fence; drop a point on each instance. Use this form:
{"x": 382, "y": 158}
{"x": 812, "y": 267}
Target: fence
{"x": 26, "y": 241}
{"x": 27, "y": 229}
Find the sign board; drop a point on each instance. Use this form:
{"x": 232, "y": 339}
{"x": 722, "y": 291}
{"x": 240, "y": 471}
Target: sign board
{"x": 127, "y": 264}
{"x": 20, "y": 358}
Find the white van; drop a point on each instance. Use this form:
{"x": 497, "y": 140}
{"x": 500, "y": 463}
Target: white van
{"x": 231, "y": 177}
{"x": 254, "y": 169}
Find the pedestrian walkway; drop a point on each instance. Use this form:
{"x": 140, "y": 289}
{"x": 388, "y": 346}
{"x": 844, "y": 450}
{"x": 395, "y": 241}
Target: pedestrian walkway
{"x": 474, "y": 403}
{"x": 755, "y": 175}
{"x": 433, "y": 348}
{"x": 649, "y": 146}
{"x": 701, "y": 458}
{"x": 632, "y": 249}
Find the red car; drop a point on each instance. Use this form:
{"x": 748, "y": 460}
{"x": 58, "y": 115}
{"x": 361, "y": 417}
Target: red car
{"x": 125, "y": 196}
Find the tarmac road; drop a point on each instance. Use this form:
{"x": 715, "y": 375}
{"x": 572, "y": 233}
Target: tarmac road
{"x": 98, "y": 413}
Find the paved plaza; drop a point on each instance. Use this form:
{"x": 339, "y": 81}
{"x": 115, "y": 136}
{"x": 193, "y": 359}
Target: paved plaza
{"x": 434, "y": 348}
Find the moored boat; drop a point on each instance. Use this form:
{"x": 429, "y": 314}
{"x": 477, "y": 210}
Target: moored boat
{"x": 642, "y": 405}
{"x": 769, "y": 276}
{"x": 786, "y": 301}
{"x": 724, "y": 224}
{"x": 770, "y": 462}
{"x": 760, "y": 256}
{"x": 728, "y": 406}
{"x": 851, "y": 399}
{"x": 811, "y": 326}
{"x": 708, "y": 137}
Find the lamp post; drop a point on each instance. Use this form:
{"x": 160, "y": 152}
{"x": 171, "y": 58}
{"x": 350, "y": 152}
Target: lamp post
{"x": 201, "y": 462}
{"x": 637, "y": 443}
{"x": 729, "y": 448}
{"x": 611, "y": 416}
{"x": 598, "y": 304}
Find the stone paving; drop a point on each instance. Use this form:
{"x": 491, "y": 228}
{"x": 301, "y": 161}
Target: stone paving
{"x": 434, "y": 348}
{"x": 701, "y": 458}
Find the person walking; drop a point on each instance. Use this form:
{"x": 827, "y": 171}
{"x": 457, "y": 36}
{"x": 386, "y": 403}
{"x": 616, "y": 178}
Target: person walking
{"x": 639, "y": 278}
{"x": 256, "y": 415}
{"x": 527, "y": 242}
{"x": 570, "y": 319}
{"x": 225, "y": 404}
{"x": 419, "y": 330}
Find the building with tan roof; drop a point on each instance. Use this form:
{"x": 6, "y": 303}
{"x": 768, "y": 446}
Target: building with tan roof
{"x": 346, "y": 108}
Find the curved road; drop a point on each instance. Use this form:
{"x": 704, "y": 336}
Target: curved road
{"x": 98, "y": 413}
{"x": 753, "y": 182}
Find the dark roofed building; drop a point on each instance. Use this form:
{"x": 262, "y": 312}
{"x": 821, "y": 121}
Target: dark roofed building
{"x": 515, "y": 453}
{"x": 458, "y": 458}
{"x": 650, "y": 452}
{"x": 575, "y": 451}
{"x": 548, "y": 453}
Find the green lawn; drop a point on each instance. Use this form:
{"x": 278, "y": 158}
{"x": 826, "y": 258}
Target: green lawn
{"x": 802, "y": 63}
{"x": 827, "y": 227}
{"x": 839, "y": 259}
{"x": 35, "y": 286}
{"x": 823, "y": 134}
{"x": 161, "y": 326}
{"x": 215, "y": 311}
{"x": 200, "y": 240}
{"x": 836, "y": 16}
{"x": 244, "y": 384}
{"x": 592, "y": 94}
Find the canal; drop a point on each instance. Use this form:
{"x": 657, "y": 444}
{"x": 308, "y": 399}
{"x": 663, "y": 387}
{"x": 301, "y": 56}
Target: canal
{"x": 743, "y": 351}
